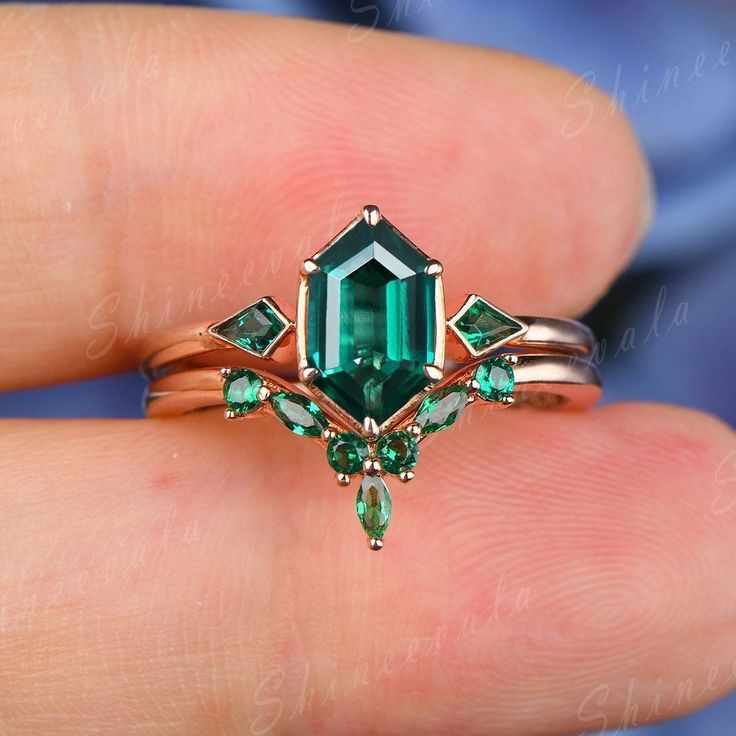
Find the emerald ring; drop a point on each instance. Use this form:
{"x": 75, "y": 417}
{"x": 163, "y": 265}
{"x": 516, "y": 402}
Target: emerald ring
{"x": 370, "y": 363}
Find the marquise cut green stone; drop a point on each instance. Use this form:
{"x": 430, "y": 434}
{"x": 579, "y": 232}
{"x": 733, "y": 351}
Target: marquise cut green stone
{"x": 298, "y": 413}
{"x": 442, "y": 409}
{"x": 495, "y": 378}
{"x": 397, "y": 451}
{"x": 255, "y": 329}
{"x": 373, "y": 505}
{"x": 346, "y": 452}
{"x": 482, "y": 326}
{"x": 241, "y": 391}
{"x": 371, "y": 321}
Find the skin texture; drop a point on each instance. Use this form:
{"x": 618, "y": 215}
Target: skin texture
{"x": 566, "y": 571}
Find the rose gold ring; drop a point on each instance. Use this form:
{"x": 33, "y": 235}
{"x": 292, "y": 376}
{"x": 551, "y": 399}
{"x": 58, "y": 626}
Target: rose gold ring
{"x": 370, "y": 364}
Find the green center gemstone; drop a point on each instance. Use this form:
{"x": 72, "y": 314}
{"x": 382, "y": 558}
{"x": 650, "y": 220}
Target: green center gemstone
{"x": 397, "y": 451}
{"x": 373, "y": 505}
{"x": 496, "y": 379}
{"x": 346, "y": 452}
{"x": 482, "y": 326}
{"x": 298, "y": 414}
{"x": 255, "y": 329}
{"x": 241, "y": 391}
{"x": 371, "y": 321}
{"x": 442, "y": 409}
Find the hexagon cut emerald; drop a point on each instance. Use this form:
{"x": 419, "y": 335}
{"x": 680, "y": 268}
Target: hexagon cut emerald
{"x": 371, "y": 317}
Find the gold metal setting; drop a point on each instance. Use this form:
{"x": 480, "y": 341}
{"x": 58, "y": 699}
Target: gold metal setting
{"x": 551, "y": 361}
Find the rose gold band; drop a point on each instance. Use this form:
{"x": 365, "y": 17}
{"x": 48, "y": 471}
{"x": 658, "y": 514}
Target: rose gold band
{"x": 542, "y": 381}
{"x": 194, "y": 346}
{"x": 553, "y": 367}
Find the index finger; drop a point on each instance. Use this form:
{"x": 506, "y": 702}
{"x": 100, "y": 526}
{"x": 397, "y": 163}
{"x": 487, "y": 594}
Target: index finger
{"x": 166, "y": 165}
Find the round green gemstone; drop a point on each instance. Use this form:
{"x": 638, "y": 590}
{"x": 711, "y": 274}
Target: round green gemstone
{"x": 373, "y": 505}
{"x": 496, "y": 379}
{"x": 442, "y": 408}
{"x": 346, "y": 452}
{"x": 397, "y": 451}
{"x": 241, "y": 390}
{"x": 298, "y": 413}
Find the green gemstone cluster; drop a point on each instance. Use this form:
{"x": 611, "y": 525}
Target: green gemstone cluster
{"x": 396, "y": 451}
{"x": 441, "y": 409}
{"x": 371, "y": 338}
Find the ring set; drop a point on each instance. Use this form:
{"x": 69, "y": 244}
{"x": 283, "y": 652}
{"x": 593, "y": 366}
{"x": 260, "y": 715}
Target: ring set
{"x": 371, "y": 365}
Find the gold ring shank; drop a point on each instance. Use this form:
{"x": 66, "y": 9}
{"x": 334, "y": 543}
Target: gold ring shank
{"x": 560, "y": 335}
{"x": 194, "y": 346}
{"x": 542, "y": 381}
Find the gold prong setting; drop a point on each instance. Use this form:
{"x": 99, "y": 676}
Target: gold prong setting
{"x": 309, "y": 267}
{"x": 371, "y": 429}
{"x": 308, "y": 374}
{"x": 371, "y": 214}
{"x": 433, "y": 268}
{"x": 372, "y": 466}
{"x": 433, "y": 373}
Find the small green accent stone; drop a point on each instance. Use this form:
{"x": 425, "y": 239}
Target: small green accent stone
{"x": 397, "y": 451}
{"x": 346, "y": 452}
{"x": 483, "y": 326}
{"x": 241, "y": 391}
{"x": 442, "y": 409}
{"x": 373, "y": 505}
{"x": 254, "y": 329}
{"x": 496, "y": 379}
{"x": 298, "y": 414}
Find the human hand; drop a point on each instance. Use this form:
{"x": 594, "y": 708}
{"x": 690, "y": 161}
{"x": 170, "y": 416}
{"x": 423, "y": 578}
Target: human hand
{"x": 564, "y": 572}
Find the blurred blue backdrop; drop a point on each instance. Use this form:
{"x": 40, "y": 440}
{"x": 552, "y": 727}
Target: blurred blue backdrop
{"x": 672, "y": 67}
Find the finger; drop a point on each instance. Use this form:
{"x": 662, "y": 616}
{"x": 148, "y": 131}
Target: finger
{"x": 164, "y": 165}
{"x": 542, "y": 576}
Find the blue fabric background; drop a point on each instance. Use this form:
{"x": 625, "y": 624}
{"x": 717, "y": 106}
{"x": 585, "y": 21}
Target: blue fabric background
{"x": 672, "y": 66}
